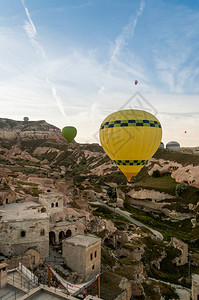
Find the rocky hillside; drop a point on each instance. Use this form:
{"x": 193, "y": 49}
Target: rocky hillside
{"x": 34, "y": 158}
{"x": 16, "y": 130}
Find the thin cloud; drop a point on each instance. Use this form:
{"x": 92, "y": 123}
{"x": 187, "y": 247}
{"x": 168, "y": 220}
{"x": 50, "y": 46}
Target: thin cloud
{"x": 174, "y": 56}
{"x": 57, "y": 98}
{"x": 126, "y": 34}
{"x": 31, "y": 31}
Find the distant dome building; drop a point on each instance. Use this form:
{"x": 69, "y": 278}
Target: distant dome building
{"x": 174, "y": 146}
{"x": 161, "y": 145}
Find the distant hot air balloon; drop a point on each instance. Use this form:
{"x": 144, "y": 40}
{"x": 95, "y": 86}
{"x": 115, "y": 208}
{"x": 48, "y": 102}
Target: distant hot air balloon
{"x": 185, "y": 132}
{"x": 136, "y": 82}
{"x": 69, "y": 132}
{"x": 130, "y": 138}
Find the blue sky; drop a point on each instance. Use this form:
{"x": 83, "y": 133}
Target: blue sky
{"x": 73, "y": 62}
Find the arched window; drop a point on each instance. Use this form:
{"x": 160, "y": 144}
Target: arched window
{"x": 52, "y": 238}
{"x": 43, "y": 209}
{"x": 56, "y": 204}
{"x": 95, "y": 253}
{"x": 93, "y": 267}
{"x": 68, "y": 233}
{"x": 7, "y": 201}
{"x": 23, "y": 233}
{"x": 42, "y": 232}
{"x": 91, "y": 256}
{"x": 52, "y": 204}
{"x": 61, "y": 236}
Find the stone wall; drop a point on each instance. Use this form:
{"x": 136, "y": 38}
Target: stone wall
{"x": 20, "y": 235}
{"x": 83, "y": 260}
{"x": 63, "y": 230}
{"x": 74, "y": 257}
{"x": 30, "y": 259}
{"x": 93, "y": 266}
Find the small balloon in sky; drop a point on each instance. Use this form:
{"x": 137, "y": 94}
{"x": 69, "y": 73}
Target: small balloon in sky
{"x": 69, "y": 133}
{"x": 136, "y": 82}
{"x": 185, "y": 132}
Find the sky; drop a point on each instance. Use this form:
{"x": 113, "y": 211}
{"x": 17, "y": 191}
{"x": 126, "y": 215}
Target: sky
{"x": 73, "y": 62}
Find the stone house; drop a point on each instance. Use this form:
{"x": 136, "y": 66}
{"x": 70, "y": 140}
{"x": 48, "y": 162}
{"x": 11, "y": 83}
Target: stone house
{"x": 61, "y": 230}
{"x": 23, "y": 227}
{"x": 82, "y": 253}
{"x": 7, "y": 197}
{"x": 51, "y": 202}
{"x": 27, "y": 229}
{"x": 116, "y": 238}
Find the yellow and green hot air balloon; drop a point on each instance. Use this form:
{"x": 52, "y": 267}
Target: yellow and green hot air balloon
{"x": 130, "y": 138}
{"x": 69, "y": 133}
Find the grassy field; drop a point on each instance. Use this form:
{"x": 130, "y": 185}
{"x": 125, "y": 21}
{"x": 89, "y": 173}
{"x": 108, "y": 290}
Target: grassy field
{"x": 164, "y": 184}
{"x": 180, "y": 157}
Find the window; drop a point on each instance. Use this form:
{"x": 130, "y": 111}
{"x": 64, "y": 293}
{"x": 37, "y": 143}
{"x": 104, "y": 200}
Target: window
{"x": 23, "y": 233}
{"x": 95, "y": 253}
{"x": 91, "y": 256}
{"x": 7, "y": 201}
{"x": 42, "y": 232}
{"x": 52, "y": 204}
{"x": 93, "y": 267}
{"x": 56, "y": 204}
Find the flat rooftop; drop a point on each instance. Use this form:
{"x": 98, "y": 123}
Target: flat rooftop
{"x": 82, "y": 240}
{"x": 21, "y": 211}
{"x": 50, "y": 195}
{"x": 43, "y": 295}
{"x": 44, "y": 292}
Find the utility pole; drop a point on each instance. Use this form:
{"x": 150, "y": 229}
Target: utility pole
{"x": 49, "y": 276}
{"x": 98, "y": 284}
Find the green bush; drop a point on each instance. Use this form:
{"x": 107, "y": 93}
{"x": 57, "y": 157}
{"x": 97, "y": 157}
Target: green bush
{"x": 156, "y": 174}
{"x": 180, "y": 188}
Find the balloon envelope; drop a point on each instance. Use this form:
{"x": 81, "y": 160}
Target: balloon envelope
{"x": 136, "y": 82}
{"x": 130, "y": 138}
{"x": 69, "y": 132}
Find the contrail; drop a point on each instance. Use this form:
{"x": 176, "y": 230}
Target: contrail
{"x": 31, "y": 32}
{"x": 29, "y": 18}
{"x": 127, "y": 33}
{"x": 57, "y": 98}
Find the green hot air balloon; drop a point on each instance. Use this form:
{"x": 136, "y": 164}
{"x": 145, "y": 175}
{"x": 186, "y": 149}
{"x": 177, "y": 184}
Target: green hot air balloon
{"x": 69, "y": 133}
